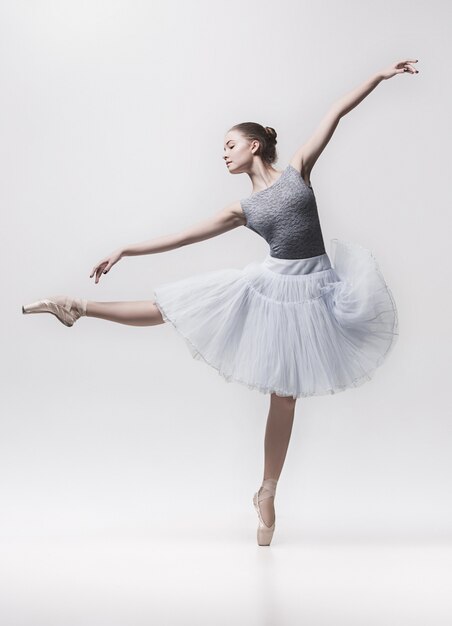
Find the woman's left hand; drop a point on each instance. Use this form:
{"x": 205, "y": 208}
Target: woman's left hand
{"x": 400, "y": 67}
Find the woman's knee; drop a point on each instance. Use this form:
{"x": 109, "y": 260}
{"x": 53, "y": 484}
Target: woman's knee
{"x": 158, "y": 314}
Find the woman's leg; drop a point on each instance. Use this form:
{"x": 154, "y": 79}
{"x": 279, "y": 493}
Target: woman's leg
{"x": 277, "y": 437}
{"x": 133, "y": 313}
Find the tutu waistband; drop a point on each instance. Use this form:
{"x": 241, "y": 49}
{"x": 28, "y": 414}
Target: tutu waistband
{"x": 298, "y": 266}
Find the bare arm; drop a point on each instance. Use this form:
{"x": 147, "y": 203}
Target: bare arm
{"x": 228, "y": 218}
{"x": 224, "y": 220}
{"x": 309, "y": 152}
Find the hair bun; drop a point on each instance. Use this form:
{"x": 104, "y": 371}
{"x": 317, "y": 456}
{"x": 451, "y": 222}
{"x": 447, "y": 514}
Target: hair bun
{"x": 271, "y": 132}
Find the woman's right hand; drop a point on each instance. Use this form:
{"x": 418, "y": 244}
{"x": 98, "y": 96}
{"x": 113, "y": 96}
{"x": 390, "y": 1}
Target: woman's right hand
{"x": 105, "y": 264}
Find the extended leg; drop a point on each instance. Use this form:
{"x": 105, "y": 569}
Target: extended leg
{"x": 133, "y": 313}
{"x": 277, "y": 437}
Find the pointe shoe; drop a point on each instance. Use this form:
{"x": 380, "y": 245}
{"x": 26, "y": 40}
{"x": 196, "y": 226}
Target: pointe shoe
{"x": 65, "y": 308}
{"x": 267, "y": 490}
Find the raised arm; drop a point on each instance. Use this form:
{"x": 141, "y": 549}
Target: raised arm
{"x": 305, "y": 157}
{"x": 226, "y": 219}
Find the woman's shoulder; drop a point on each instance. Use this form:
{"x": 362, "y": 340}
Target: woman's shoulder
{"x": 235, "y": 209}
{"x": 297, "y": 164}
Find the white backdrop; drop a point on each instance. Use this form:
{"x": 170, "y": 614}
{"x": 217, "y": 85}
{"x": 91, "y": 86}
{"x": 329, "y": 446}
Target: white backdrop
{"x": 113, "y": 116}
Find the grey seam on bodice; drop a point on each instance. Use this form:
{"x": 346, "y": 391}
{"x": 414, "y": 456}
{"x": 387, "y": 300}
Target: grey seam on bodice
{"x": 285, "y": 215}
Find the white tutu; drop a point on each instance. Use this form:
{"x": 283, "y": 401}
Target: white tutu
{"x": 295, "y": 327}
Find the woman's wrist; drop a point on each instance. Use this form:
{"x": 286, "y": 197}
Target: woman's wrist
{"x": 378, "y": 77}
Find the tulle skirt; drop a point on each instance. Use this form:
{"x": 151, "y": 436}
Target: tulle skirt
{"x": 294, "y": 327}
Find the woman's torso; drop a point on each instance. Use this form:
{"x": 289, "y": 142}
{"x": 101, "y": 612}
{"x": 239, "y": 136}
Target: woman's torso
{"x": 285, "y": 215}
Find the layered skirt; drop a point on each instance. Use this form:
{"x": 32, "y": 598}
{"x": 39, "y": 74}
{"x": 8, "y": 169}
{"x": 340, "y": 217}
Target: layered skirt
{"x": 294, "y": 327}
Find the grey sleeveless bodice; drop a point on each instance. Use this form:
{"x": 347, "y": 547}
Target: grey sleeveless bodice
{"x": 285, "y": 215}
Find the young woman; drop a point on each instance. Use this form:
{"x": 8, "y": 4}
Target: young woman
{"x": 293, "y": 325}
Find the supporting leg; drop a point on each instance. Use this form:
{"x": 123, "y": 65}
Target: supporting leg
{"x": 277, "y": 437}
{"x": 133, "y": 313}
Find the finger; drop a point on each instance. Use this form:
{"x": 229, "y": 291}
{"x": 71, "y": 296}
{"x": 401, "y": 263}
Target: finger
{"x": 95, "y": 269}
{"x": 409, "y": 62}
{"x": 98, "y": 274}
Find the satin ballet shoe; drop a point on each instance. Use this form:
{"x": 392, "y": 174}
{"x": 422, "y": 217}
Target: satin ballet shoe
{"x": 65, "y": 308}
{"x": 267, "y": 490}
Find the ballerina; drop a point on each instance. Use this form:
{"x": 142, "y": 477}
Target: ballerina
{"x": 299, "y": 323}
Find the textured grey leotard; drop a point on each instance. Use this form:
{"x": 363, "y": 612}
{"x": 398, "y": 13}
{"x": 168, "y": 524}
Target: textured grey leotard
{"x": 285, "y": 215}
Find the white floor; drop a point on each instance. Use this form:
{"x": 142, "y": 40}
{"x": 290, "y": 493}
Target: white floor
{"x": 220, "y": 576}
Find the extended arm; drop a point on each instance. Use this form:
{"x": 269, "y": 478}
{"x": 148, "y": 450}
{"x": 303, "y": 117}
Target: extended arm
{"x": 228, "y": 218}
{"x": 224, "y": 220}
{"x": 309, "y": 152}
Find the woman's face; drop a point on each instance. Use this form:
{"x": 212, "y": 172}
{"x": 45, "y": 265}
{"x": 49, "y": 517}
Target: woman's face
{"x": 238, "y": 153}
